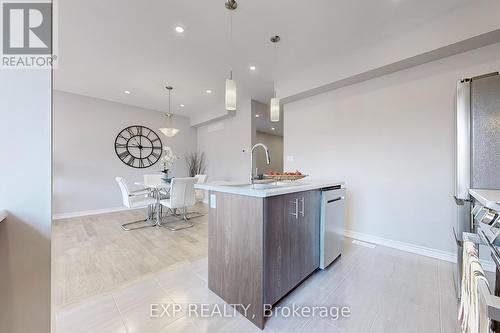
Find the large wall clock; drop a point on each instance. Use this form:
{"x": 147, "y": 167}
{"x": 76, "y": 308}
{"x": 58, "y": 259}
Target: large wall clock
{"x": 138, "y": 146}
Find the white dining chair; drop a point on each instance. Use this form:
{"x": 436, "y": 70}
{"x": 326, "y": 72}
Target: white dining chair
{"x": 136, "y": 199}
{"x": 182, "y": 196}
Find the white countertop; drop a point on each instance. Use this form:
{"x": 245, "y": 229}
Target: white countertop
{"x": 3, "y": 215}
{"x": 243, "y": 188}
{"x": 487, "y": 198}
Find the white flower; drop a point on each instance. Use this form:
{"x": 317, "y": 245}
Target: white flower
{"x": 168, "y": 158}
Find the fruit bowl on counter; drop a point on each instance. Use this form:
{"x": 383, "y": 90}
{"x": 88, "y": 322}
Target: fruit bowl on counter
{"x": 276, "y": 176}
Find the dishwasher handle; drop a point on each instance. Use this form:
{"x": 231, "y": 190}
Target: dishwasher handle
{"x": 336, "y": 199}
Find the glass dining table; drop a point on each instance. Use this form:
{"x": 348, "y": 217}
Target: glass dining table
{"x": 160, "y": 189}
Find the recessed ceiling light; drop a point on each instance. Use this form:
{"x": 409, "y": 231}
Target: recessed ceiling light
{"x": 273, "y": 128}
{"x": 127, "y": 92}
{"x": 179, "y": 29}
{"x": 209, "y": 91}
{"x": 257, "y": 115}
{"x": 182, "y": 105}
{"x": 252, "y": 68}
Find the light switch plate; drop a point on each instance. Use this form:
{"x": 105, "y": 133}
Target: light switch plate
{"x": 213, "y": 201}
{"x": 290, "y": 158}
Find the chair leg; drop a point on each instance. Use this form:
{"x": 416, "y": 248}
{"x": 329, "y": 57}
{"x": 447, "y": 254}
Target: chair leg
{"x": 193, "y": 215}
{"x": 148, "y": 219}
{"x": 124, "y": 226}
{"x": 184, "y": 219}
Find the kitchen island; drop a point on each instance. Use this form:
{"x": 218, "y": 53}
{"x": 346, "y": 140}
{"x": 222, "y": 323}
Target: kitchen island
{"x": 263, "y": 241}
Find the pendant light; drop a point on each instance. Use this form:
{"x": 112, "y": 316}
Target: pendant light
{"x": 274, "y": 107}
{"x": 230, "y": 84}
{"x": 169, "y": 131}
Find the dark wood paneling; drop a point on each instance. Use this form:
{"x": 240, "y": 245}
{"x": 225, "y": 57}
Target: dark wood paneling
{"x": 258, "y": 250}
{"x": 291, "y": 243}
{"x": 235, "y": 252}
{"x": 278, "y": 271}
{"x": 309, "y": 233}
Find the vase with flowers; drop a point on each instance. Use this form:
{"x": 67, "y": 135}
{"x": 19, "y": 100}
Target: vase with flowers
{"x": 167, "y": 161}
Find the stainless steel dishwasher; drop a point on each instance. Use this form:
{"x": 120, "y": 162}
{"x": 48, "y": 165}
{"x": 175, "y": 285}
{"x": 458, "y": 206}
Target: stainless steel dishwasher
{"x": 332, "y": 224}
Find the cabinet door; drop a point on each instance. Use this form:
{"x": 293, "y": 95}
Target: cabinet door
{"x": 291, "y": 240}
{"x": 278, "y": 277}
{"x": 309, "y": 229}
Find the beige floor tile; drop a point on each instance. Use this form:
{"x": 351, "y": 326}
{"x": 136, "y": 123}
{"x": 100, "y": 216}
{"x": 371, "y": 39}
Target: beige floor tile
{"x": 282, "y": 324}
{"x": 396, "y": 314}
{"x": 98, "y": 316}
{"x": 182, "y": 325}
{"x": 134, "y": 304}
{"x": 200, "y": 267}
{"x": 448, "y": 301}
{"x": 319, "y": 326}
{"x": 147, "y": 290}
{"x": 361, "y": 296}
{"x": 183, "y": 274}
{"x": 216, "y": 324}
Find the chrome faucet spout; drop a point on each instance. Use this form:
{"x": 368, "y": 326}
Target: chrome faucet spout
{"x": 268, "y": 159}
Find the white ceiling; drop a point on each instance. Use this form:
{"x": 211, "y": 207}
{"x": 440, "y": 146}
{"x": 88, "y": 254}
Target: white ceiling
{"x": 106, "y": 47}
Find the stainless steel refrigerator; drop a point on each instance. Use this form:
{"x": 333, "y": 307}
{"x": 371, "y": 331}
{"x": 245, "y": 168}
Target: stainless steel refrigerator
{"x": 477, "y": 157}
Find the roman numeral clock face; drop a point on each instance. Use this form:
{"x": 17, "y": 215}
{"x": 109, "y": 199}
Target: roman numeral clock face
{"x": 138, "y": 147}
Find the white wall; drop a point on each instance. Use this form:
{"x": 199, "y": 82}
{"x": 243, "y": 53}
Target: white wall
{"x": 25, "y": 178}
{"x": 481, "y": 17}
{"x": 275, "y": 145}
{"x": 223, "y": 143}
{"x": 85, "y": 162}
{"x": 392, "y": 140}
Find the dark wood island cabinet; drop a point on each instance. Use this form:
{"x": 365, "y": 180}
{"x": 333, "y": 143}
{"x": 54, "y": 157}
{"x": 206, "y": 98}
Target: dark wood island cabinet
{"x": 260, "y": 248}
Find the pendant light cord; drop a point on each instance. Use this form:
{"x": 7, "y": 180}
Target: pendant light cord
{"x": 275, "y": 67}
{"x": 231, "y": 44}
{"x": 169, "y": 103}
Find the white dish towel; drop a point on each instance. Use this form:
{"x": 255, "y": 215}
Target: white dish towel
{"x": 473, "y": 316}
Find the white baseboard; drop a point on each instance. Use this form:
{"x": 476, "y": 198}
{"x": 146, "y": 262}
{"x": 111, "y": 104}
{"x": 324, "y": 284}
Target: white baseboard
{"x": 412, "y": 248}
{"x": 89, "y": 212}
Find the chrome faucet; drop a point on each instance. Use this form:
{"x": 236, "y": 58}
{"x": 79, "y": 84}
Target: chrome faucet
{"x": 268, "y": 160}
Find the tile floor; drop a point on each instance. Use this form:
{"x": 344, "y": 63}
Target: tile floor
{"x": 386, "y": 290}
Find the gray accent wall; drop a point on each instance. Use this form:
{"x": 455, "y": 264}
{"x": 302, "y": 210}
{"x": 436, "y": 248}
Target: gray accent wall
{"x": 226, "y": 144}
{"x": 85, "y": 162}
{"x": 275, "y": 145}
{"x": 391, "y": 139}
{"x": 25, "y": 178}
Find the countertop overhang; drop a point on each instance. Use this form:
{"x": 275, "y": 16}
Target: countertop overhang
{"x": 487, "y": 198}
{"x": 240, "y": 189}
